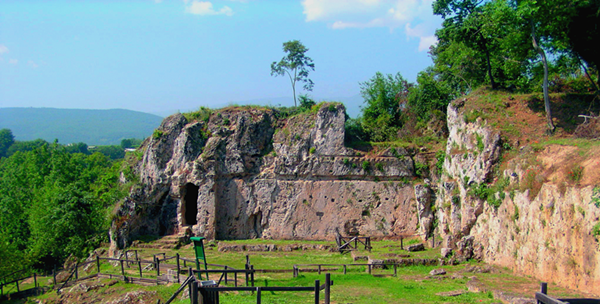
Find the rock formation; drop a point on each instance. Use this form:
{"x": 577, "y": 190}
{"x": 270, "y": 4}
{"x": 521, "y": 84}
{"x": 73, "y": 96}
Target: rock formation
{"x": 249, "y": 173}
{"x": 547, "y": 234}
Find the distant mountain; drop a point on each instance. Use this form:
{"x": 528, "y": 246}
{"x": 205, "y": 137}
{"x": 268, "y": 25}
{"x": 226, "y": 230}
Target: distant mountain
{"x": 93, "y": 127}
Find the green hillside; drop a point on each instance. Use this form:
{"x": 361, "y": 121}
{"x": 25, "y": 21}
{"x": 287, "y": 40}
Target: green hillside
{"x": 93, "y": 127}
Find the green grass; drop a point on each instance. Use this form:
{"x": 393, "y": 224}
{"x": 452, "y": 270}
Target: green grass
{"x": 583, "y": 144}
{"x": 411, "y": 285}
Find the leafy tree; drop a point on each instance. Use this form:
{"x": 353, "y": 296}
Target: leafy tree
{"x": 381, "y": 116}
{"x": 77, "y": 148}
{"x": 23, "y": 146}
{"x": 584, "y": 32}
{"x": 295, "y": 64}
{"x": 306, "y": 102}
{"x": 465, "y": 22}
{"x": 6, "y": 140}
{"x": 54, "y": 203}
{"x": 114, "y": 152}
{"x": 479, "y": 34}
{"x": 131, "y": 142}
{"x": 429, "y": 94}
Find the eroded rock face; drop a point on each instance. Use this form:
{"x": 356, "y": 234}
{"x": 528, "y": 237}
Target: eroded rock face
{"x": 547, "y": 235}
{"x": 247, "y": 173}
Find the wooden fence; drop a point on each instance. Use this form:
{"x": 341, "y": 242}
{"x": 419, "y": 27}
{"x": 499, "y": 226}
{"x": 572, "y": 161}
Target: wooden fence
{"x": 20, "y": 276}
{"x": 207, "y": 292}
{"x": 323, "y": 267}
{"x": 542, "y": 297}
{"x": 346, "y": 243}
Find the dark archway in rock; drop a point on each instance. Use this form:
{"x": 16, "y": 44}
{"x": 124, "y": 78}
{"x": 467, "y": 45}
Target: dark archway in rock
{"x": 189, "y": 205}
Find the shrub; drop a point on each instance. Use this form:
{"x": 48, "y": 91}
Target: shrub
{"x": 312, "y": 150}
{"x": 157, "y": 134}
{"x": 596, "y": 230}
{"x": 441, "y": 157}
{"x": 421, "y": 169}
{"x": 379, "y": 167}
{"x": 480, "y": 145}
{"x": 576, "y": 173}
{"x": 366, "y": 165}
{"x": 596, "y": 196}
{"x": 480, "y": 191}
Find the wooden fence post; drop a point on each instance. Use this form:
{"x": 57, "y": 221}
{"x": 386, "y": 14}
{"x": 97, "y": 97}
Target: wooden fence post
{"x": 140, "y": 267}
{"x": 544, "y": 288}
{"x": 178, "y": 268}
{"x": 319, "y": 269}
{"x": 194, "y": 293}
{"x": 122, "y": 269}
{"x": 395, "y": 270}
{"x": 252, "y": 275}
{"x": 402, "y": 243}
{"x": 344, "y": 269}
{"x": 246, "y": 272}
{"x": 98, "y": 263}
{"x": 258, "y": 295}
{"x": 225, "y": 275}
{"x": 327, "y": 288}
{"x": 76, "y": 274}
{"x": 317, "y": 290}
{"x": 157, "y": 264}
{"x": 369, "y": 265}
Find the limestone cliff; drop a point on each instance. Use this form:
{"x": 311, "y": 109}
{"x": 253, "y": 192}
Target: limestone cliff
{"x": 544, "y": 230}
{"x": 252, "y": 173}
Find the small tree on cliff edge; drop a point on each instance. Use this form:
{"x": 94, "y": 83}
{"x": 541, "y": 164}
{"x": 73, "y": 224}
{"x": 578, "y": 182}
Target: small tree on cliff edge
{"x": 296, "y": 64}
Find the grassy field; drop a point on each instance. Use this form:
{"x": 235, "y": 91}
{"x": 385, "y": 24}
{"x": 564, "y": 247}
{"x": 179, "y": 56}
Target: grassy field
{"x": 413, "y": 284}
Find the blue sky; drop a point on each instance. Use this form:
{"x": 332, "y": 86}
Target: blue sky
{"x": 164, "y": 56}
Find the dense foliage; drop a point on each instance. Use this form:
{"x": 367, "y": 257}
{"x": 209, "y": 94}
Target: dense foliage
{"x": 517, "y": 45}
{"x": 54, "y": 204}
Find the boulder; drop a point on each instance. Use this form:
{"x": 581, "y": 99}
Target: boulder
{"x": 437, "y": 272}
{"x": 416, "y": 247}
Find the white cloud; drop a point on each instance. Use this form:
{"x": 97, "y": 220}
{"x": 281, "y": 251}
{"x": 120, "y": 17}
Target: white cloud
{"x": 345, "y": 14}
{"x": 13, "y": 61}
{"x": 205, "y": 8}
{"x": 32, "y": 64}
{"x": 426, "y": 42}
{"x": 3, "y": 49}
{"x": 323, "y": 10}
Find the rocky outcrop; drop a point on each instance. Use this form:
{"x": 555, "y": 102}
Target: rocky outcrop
{"x": 545, "y": 234}
{"x": 253, "y": 173}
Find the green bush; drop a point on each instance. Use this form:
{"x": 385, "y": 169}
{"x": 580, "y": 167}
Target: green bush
{"x": 157, "y": 134}
{"x": 596, "y": 230}
{"x": 366, "y": 165}
{"x": 421, "y": 169}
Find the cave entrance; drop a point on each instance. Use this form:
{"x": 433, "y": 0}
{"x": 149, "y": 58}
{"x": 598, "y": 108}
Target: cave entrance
{"x": 189, "y": 205}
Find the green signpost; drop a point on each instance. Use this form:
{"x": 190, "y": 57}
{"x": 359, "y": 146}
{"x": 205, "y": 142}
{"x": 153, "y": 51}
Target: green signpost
{"x": 200, "y": 256}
